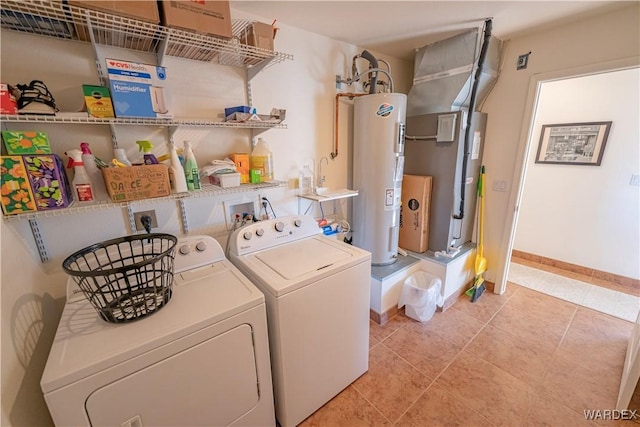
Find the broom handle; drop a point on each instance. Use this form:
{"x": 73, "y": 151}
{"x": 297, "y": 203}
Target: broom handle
{"x": 481, "y": 229}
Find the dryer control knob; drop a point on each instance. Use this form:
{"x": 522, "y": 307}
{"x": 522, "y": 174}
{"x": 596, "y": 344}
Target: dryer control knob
{"x": 297, "y": 222}
{"x": 279, "y": 226}
{"x": 201, "y": 246}
{"x": 247, "y": 235}
{"x": 259, "y": 232}
{"x": 185, "y": 249}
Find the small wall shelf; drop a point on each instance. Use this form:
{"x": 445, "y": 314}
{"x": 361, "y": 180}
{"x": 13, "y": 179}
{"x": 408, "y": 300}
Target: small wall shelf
{"x": 329, "y": 196}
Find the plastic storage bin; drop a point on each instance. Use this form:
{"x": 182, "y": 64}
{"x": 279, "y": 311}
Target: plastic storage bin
{"x": 420, "y": 295}
{"x": 126, "y": 278}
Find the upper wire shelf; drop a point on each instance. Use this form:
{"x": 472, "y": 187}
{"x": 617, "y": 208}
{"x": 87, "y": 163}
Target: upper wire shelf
{"x": 58, "y": 20}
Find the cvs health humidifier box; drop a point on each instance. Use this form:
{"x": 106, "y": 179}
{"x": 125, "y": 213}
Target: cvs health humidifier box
{"x": 138, "y": 90}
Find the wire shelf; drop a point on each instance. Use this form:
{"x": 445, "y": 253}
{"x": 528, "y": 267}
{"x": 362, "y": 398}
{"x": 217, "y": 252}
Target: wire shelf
{"x": 59, "y": 20}
{"x": 205, "y": 191}
{"x": 63, "y": 118}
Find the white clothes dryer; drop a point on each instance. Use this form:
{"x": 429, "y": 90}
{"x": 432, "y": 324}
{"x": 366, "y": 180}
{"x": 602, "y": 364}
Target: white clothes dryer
{"x": 201, "y": 360}
{"x": 317, "y": 292}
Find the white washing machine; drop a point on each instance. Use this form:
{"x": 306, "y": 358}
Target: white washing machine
{"x": 201, "y": 360}
{"x": 317, "y": 294}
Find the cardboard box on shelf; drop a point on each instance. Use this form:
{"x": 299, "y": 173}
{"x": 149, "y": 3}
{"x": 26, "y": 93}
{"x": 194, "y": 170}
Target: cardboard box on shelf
{"x": 97, "y": 99}
{"x": 258, "y": 34}
{"x": 241, "y": 160}
{"x": 49, "y": 182}
{"x": 16, "y": 195}
{"x": 141, "y": 10}
{"x": 414, "y": 213}
{"x": 206, "y": 17}
{"x": 137, "y": 182}
{"x": 137, "y": 90}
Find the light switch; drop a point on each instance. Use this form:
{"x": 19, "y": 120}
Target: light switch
{"x": 500, "y": 186}
{"x": 635, "y": 180}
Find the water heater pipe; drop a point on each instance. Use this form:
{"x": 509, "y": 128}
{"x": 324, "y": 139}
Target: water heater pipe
{"x": 334, "y": 153}
{"x": 373, "y": 65}
{"x": 472, "y": 106}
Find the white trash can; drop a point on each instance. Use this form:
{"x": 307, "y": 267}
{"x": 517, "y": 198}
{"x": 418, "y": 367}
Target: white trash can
{"x": 420, "y": 295}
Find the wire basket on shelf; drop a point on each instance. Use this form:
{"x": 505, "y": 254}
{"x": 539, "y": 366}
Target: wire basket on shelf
{"x": 126, "y": 278}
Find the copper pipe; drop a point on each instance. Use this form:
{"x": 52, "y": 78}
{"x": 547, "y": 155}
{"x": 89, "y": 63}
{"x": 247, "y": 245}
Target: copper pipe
{"x": 334, "y": 153}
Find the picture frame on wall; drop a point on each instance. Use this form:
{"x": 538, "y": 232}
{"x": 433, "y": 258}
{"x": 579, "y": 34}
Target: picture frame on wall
{"x": 573, "y": 143}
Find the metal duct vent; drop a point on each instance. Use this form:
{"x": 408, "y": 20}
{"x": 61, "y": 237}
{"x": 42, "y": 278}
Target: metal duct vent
{"x": 443, "y": 74}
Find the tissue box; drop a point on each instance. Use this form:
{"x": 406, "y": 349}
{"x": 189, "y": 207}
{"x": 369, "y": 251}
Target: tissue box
{"x": 8, "y": 103}
{"x": 48, "y": 181}
{"x": 225, "y": 180}
{"x": 137, "y": 182}
{"x": 137, "y": 90}
{"x": 19, "y": 142}
{"x": 15, "y": 189}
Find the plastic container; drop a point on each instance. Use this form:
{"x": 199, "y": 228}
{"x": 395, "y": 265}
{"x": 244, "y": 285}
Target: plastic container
{"x": 420, "y": 295}
{"x": 126, "y": 278}
{"x": 262, "y": 159}
{"x": 177, "y": 178}
{"x": 191, "y": 172}
{"x": 306, "y": 180}
{"x": 95, "y": 174}
{"x": 83, "y": 190}
{"x": 121, "y": 156}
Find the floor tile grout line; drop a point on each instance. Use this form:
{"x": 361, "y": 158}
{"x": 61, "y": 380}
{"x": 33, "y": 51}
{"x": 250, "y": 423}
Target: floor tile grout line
{"x": 370, "y": 403}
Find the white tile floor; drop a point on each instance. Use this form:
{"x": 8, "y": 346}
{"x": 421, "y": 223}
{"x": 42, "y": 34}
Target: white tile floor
{"x": 614, "y": 303}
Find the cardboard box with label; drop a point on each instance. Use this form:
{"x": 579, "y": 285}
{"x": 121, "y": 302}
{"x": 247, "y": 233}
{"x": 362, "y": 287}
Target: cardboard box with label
{"x": 137, "y": 182}
{"x": 205, "y": 17}
{"x": 414, "y": 213}
{"x": 137, "y": 90}
{"x": 8, "y": 101}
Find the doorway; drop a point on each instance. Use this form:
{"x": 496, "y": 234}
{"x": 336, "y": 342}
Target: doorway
{"x": 528, "y": 147}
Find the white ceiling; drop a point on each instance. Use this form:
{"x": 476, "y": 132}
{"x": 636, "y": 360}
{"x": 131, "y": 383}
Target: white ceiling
{"x": 397, "y": 28}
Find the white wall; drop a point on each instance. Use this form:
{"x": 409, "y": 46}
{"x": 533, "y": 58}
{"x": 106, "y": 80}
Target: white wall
{"x": 607, "y": 37}
{"x": 587, "y": 215}
{"x": 305, "y": 87}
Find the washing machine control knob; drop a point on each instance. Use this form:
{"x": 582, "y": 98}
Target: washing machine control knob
{"x": 279, "y": 226}
{"x": 259, "y": 232}
{"x": 297, "y": 222}
{"x": 185, "y": 249}
{"x": 201, "y": 246}
{"x": 247, "y": 235}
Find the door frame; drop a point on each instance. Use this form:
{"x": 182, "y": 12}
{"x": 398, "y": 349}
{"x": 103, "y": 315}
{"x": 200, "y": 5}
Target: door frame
{"x": 524, "y": 145}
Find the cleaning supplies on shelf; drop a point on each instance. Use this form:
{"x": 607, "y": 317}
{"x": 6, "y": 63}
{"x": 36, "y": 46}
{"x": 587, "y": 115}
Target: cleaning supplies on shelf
{"x": 121, "y": 156}
{"x": 82, "y": 188}
{"x": 306, "y": 180}
{"x": 191, "y": 172}
{"x": 176, "y": 172}
{"x": 262, "y": 159}
{"x": 145, "y": 147}
{"x": 95, "y": 174}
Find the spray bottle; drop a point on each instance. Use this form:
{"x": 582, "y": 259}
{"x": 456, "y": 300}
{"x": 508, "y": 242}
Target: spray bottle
{"x": 145, "y": 147}
{"x": 121, "y": 156}
{"x": 176, "y": 172}
{"x": 81, "y": 184}
{"x": 191, "y": 172}
{"x": 95, "y": 174}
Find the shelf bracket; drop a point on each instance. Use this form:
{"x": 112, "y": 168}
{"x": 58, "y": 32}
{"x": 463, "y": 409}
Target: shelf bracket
{"x": 37, "y": 236}
{"x": 253, "y": 71}
{"x": 162, "y": 50}
{"x": 183, "y": 217}
{"x": 171, "y": 130}
{"x": 99, "y": 59}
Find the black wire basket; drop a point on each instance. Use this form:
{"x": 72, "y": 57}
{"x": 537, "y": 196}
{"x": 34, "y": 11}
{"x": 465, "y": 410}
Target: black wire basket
{"x": 126, "y": 278}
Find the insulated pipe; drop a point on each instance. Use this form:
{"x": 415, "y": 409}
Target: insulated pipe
{"x": 472, "y": 106}
{"x": 334, "y": 153}
{"x": 373, "y": 65}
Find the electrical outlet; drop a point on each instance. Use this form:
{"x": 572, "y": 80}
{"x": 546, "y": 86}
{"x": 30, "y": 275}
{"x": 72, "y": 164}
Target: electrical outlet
{"x": 137, "y": 216}
{"x": 635, "y": 180}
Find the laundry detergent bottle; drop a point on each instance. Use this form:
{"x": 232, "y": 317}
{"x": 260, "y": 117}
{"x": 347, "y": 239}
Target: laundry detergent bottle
{"x": 262, "y": 160}
{"x": 95, "y": 174}
{"x": 191, "y": 172}
{"x": 81, "y": 184}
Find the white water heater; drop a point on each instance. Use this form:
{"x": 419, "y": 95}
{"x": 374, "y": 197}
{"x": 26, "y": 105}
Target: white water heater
{"x": 378, "y": 163}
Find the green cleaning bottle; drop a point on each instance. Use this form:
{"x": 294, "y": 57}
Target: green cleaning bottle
{"x": 191, "y": 172}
